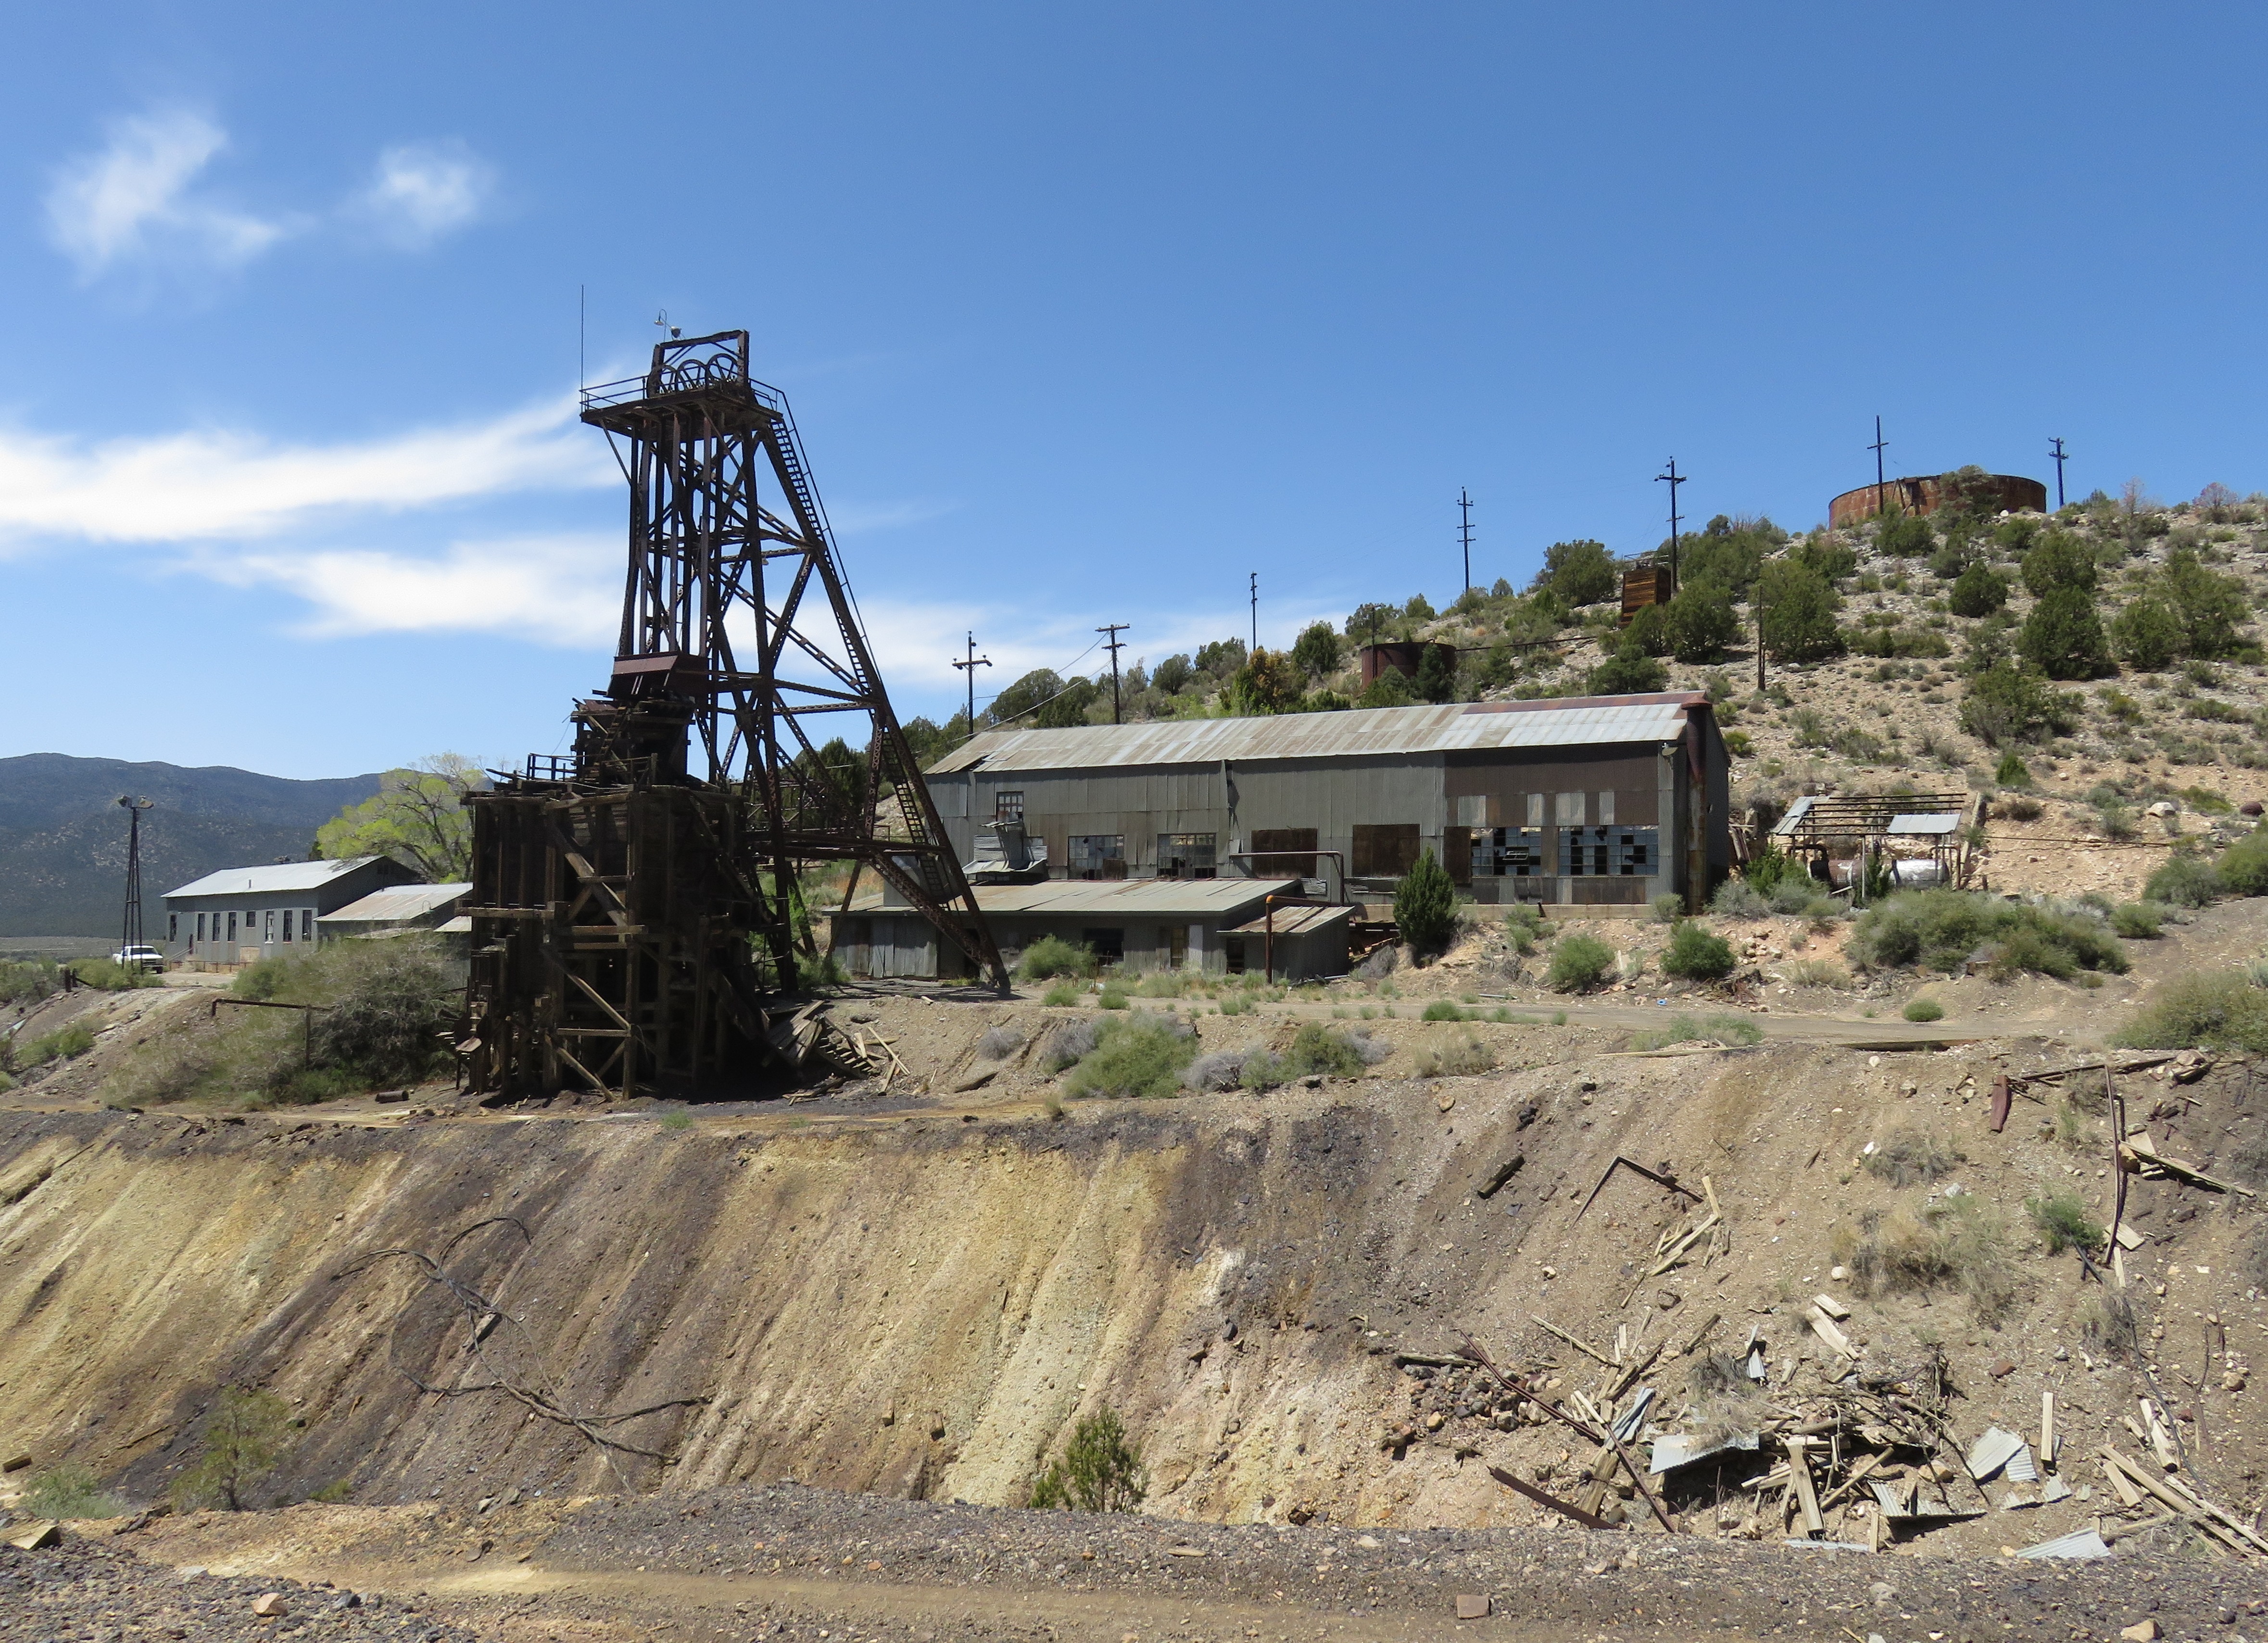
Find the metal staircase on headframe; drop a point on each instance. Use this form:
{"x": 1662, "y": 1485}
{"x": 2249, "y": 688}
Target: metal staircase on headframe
{"x": 635, "y": 913}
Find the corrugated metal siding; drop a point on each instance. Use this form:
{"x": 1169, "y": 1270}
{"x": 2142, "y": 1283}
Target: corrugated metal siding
{"x": 1358, "y": 733}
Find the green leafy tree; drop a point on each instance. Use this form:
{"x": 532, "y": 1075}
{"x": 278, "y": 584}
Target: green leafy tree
{"x": 1578, "y": 572}
{"x": 2063, "y": 636}
{"x": 1069, "y": 707}
{"x": 1629, "y": 671}
{"x": 1390, "y": 689}
{"x": 1269, "y": 682}
{"x": 1799, "y": 611}
{"x": 1826, "y": 557}
{"x": 2147, "y": 633}
{"x": 1173, "y": 674}
{"x": 1317, "y": 650}
{"x": 1426, "y": 905}
{"x": 1701, "y": 622}
{"x": 1221, "y": 658}
{"x": 1023, "y": 696}
{"x": 1727, "y": 551}
{"x": 1419, "y": 608}
{"x": 1100, "y": 1470}
{"x": 2208, "y": 604}
{"x": 1373, "y": 623}
{"x": 1647, "y": 630}
{"x": 1437, "y": 673}
{"x": 417, "y": 817}
{"x": 2060, "y": 560}
{"x": 244, "y": 1438}
{"x": 1906, "y": 537}
{"x": 1977, "y": 591}
{"x": 1697, "y": 952}
{"x": 2005, "y": 705}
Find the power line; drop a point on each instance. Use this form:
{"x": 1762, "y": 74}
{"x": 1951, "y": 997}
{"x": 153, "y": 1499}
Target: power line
{"x": 1673, "y": 479}
{"x": 968, "y": 670}
{"x": 1880, "y": 446}
{"x": 1465, "y": 533}
{"x": 1113, "y": 629}
{"x": 1256, "y": 610}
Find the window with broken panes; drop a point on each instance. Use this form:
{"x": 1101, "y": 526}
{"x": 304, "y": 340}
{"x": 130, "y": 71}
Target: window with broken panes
{"x": 1008, "y": 805}
{"x": 1097, "y": 856}
{"x": 1510, "y": 852}
{"x": 1186, "y": 856}
{"x": 1624, "y": 852}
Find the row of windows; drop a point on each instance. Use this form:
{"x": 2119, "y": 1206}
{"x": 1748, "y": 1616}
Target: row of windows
{"x": 259, "y": 926}
{"x": 1628, "y": 852}
{"x": 1541, "y": 809}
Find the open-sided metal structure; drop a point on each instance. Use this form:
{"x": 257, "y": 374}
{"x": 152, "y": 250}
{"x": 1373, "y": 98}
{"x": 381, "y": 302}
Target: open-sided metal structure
{"x": 636, "y": 920}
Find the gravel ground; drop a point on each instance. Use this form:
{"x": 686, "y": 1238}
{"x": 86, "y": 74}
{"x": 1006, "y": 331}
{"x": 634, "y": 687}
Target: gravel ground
{"x": 90, "y": 1589}
{"x": 790, "y": 1560}
{"x": 1592, "y": 1581}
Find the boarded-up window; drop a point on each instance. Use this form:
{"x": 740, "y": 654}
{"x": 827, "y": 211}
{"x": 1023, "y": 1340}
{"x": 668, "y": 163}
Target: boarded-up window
{"x": 1606, "y": 816}
{"x": 1535, "y": 810}
{"x": 1472, "y": 810}
{"x": 1385, "y": 850}
{"x": 1283, "y": 852}
{"x": 1570, "y": 811}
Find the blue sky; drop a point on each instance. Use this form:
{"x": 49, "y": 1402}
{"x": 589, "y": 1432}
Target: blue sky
{"x": 1086, "y": 313}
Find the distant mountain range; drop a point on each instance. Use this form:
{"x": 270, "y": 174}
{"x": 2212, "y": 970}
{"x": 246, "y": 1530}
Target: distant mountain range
{"x": 62, "y": 835}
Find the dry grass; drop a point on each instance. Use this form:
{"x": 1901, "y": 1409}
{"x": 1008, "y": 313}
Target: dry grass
{"x": 1954, "y": 1244}
{"x": 1910, "y": 1155}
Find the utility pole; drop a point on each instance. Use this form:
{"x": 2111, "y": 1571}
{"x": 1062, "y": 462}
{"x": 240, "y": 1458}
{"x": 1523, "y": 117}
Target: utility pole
{"x": 1465, "y": 533}
{"x": 1760, "y": 629}
{"x": 1880, "y": 446}
{"x": 1673, "y": 479}
{"x": 969, "y": 668}
{"x": 130, "y": 933}
{"x": 1113, "y": 629}
{"x": 1256, "y": 610}
{"x": 2058, "y": 453}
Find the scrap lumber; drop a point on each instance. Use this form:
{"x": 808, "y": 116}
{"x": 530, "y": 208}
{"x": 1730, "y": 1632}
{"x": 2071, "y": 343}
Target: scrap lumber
{"x": 1619, "y": 1162}
{"x": 2214, "y": 1519}
{"x": 1799, "y": 1471}
{"x": 1823, "y": 1326}
{"x": 2139, "y": 1154}
{"x": 1564, "y": 1508}
{"x": 1585, "y": 1347}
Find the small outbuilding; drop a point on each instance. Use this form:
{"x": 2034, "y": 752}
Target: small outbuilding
{"x": 391, "y": 912}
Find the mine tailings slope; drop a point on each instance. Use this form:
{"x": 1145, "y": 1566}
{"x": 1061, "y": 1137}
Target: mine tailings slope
{"x": 923, "y": 1307}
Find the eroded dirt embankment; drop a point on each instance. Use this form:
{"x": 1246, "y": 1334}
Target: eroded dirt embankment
{"x": 921, "y": 1306}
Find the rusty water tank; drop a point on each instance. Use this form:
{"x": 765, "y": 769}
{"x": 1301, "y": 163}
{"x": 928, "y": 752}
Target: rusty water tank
{"x": 2006, "y": 493}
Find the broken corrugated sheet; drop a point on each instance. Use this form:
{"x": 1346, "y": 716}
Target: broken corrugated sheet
{"x": 2080, "y": 1543}
{"x": 1627, "y": 1424}
{"x": 1679, "y": 1449}
{"x": 1993, "y": 1451}
{"x": 1828, "y": 1546}
{"x": 2054, "y": 1490}
{"x": 2022, "y": 1468}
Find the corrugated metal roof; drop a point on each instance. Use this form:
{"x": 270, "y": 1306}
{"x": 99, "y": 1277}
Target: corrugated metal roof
{"x": 1576, "y": 721}
{"x": 1145, "y": 898}
{"x": 399, "y": 905}
{"x": 1923, "y": 824}
{"x": 1294, "y": 921}
{"x": 284, "y": 875}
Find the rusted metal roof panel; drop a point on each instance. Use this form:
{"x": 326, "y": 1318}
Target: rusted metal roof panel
{"x": 1143, "y": 898}
{"x": 1382, "y": 731}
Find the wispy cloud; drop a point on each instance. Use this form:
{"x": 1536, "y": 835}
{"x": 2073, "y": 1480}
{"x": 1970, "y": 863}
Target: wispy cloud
{"x": 135, "y": 198}
{"x": 210, "y": 483}
{"x": 563, "y": 590}
{"x": 422, "y": 191}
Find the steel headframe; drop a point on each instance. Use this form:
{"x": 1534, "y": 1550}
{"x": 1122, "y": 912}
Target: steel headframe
{"x": 715, "y": 574}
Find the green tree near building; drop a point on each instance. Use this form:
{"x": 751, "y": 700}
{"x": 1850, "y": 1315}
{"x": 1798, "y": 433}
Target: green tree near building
{"x": 1629, "y": 671}
{"x": 1437, "y": 673}
{"x": 417, "y": 817}
{"x": 1978, "y": 590}
{"x": 1426, "y": 905}
{"x": 1700, "y": 622}
{"x": 1269, "y": 682}
{"x": 1578, "y": 572}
